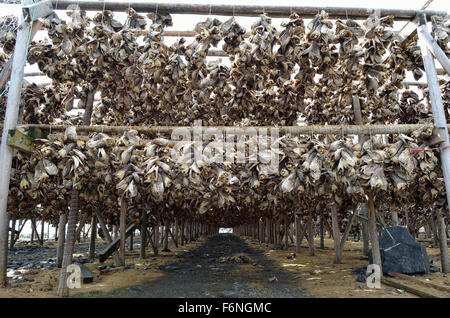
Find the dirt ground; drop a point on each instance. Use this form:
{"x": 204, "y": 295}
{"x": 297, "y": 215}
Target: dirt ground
{"x": 222, "y": 266}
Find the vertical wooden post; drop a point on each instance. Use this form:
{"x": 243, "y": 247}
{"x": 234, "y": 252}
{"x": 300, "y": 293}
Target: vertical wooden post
{"x": 275, "y": 233}
{"x": 182, "y": 231}
{"x": 32, "y": 233}
{"x": 437, "y": 107}
{"x": 190, "y": 231}
{"x": 346, "y": 231}
{"x": 176, "y": 230}
{"x": 115, "y": 231}
{"x": 286, "y": 233}
{"x": 322, "y": 241}
{"x": 42, "y": 231}
{"x": 336, "y": 235}
{"x": 298, "y": 228}
{"x": 261, "y": 227}
{"x": 442, "y": 242}
{"x": 63, "y": 289}
{"x": 61, "y": 238}
{"x": 166, "y": 236}
{"x": 363, "y": 206}
{"x": 131, "y": 242}
{"x": 93, "y": 236}
{"x": 143, "y": 231}
{"x": 434, "y": 228}
{"x": 266, "y": 230}
{"x": 156, "y": 230}
{"x": 394, "y": 218}
{"x": 376, "y": 256}
{"x": 123, "y": 224}
{"x": 310, "y": 235}
{"x": 10, "y": 122}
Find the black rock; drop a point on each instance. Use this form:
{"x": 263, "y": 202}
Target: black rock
{"x": 135, "y": 289}
{"x": 399, "y": 252}
{"x": 434, "y": 269}
{"x": 361, "y": 277}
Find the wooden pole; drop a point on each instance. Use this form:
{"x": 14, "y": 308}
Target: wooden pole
{"x": 363, "y": 206}
{"x": 10, "y": 122}
{"x": 42, "y": 231}
{"x": 376, "y": 256}
{"x": 177, "y": 225}
{"x": 143, "y": 231}
{"x": 131, "y": 243}
{"x": 63, "y": 289}
{"x": 33, "y": 224}
{"x": 437, "y": 107}
{"x": 298, "y": 228}
{"x": 275, "y": 233}
{"x": 32, "y": 234}
{"x": 346, "y": 231}
{"x": 442, "y": 242}
{"x": 336, "y": 235}
{"x": 80, "y": 227}
{"x": 394, "y": 218}
{"x": 166, "y": 236}
{"x": 182, "y": 231}
{"x": 173, "y": 237}
{"x": 286, "y": 232}
{"x": 156, "y": 239}
{"x": 61, "y": 238}
{"x": 123, "y": 225}
{"x": 310, "y": 236}
{"x": 242, "y": 10}
{"x": 322, "y": 241}
{"x": 93, "y": 236}
{"x": 434, "y": 228}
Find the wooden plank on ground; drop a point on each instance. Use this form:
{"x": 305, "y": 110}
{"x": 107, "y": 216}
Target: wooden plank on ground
{"x": 417, "y": 281}
{"x": 86, "y": 275}
{"x": 409, "y": 289}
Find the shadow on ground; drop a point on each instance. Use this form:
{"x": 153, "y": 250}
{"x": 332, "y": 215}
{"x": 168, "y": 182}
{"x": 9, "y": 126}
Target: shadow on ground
{"x": 198, "y": 273}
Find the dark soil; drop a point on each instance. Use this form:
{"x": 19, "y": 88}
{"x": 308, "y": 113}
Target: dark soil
{"x": 26, "y": 256}
{"x": 198, "y": 273}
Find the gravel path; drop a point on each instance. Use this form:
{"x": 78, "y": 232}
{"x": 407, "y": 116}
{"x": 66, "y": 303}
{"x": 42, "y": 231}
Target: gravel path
{"x": 198, "y": 273}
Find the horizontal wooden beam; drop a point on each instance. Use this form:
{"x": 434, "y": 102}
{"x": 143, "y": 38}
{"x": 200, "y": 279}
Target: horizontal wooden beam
{"x": 188, "y": 34}
{"x": 241, "y": 10}
{"x": 294, "y": 130}
{"x": 413, "y": 83}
